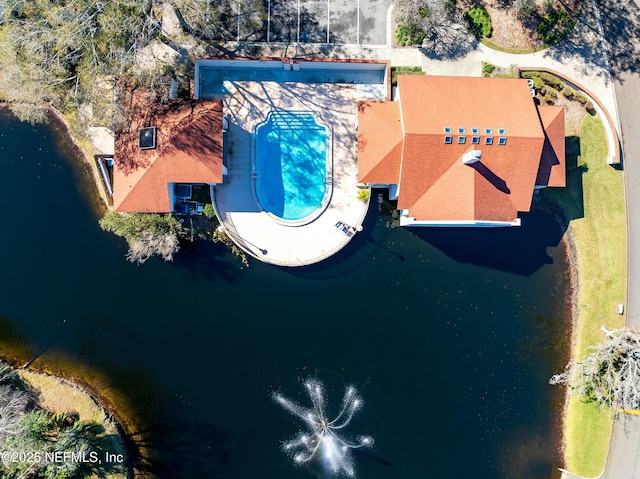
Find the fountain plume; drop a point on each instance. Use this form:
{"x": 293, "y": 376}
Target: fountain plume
{"x": 324, "y": 439}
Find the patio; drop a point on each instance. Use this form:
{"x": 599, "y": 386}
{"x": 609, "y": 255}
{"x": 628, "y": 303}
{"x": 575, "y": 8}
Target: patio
{"x": 256, "y": 231}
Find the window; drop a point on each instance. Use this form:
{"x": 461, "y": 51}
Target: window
{"x": 447, "y": 129}
{"x": 460, "y": 130}
{"x": 462, "y": 139}
{"x": 475, "y": 140}
{"x": 502, "y": 140}
{"x": 488, "y": 140}
{"x": 474, "y": 130}
{"x": 488, "y": 131}
{"x": 448, "y": 139}
{"x": 502, "y": 131}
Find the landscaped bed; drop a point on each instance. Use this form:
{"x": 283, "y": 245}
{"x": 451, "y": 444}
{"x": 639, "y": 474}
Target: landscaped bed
{"x": 521, "y": 26}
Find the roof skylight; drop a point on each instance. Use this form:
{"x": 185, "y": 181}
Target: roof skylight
{"x": 147, "y": 138}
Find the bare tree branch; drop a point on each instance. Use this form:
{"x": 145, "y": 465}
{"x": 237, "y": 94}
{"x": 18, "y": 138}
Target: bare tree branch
{"x": 610, "y": 375}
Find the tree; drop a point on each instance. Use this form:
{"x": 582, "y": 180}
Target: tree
{"x": 53, "y": 52}
{"x": 14, "y": 401}
{"x": 147, "y": 234}
{"x": 419, "y": 18}
{"x": 610, "y": 375}
{"x": 217, "y": 19}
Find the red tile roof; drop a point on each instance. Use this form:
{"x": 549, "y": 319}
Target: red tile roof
{"x": 379, "y": 142}
{"x": 189, "y": 150}
{"x": 552, "y": 170}
{"x": 434, "y": 184}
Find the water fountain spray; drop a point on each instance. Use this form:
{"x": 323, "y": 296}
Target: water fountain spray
{"x": 324, "y": 439}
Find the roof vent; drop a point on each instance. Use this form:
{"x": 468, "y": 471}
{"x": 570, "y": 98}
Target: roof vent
{"x": 147, "y": 138}
{"x": 472, "y": 157}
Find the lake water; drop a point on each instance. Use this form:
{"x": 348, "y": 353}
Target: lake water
{"x": 450, "y": 335}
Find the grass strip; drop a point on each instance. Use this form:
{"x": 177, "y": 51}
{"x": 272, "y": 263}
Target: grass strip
{"x": 599, "y": 237}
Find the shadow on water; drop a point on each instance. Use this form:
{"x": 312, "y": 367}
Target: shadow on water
{"x": 207, "y": 260}
{"x": 355, "y": 254}
{"x": 194, "y": 451}
{"x": 14, "y": 346}
{"x": 520, "y": 250}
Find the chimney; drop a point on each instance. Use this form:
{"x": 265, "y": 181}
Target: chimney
{"x": 472, "y": 157}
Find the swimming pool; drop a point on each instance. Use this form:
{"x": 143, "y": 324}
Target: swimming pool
{"x": 290, "y": 165}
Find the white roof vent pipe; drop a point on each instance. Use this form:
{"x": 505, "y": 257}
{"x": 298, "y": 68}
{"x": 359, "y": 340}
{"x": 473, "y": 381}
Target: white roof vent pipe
{"x": 472, "y": 157}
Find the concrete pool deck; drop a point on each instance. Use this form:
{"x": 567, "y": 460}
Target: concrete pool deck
{"x": 255, "y": 230}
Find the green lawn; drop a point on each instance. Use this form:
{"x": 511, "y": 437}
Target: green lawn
{"x": 594, "y": 201}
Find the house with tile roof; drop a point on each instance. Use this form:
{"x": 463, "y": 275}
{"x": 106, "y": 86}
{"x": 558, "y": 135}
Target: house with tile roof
{"x": 166, "y": 148}
{"x": 459, "y": 151}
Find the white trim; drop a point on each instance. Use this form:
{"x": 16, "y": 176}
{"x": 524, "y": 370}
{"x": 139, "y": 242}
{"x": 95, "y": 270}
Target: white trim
{"x": 406, "y": 220}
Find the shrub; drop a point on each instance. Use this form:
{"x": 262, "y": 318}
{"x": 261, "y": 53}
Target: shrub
{"x": 220, "y": 235}
{"x": 581, "y": 98}
{"x": 395, "y": 71}
{"x": 450, "y": 5}
{"x": 568, "y": 93}
{"x": 363, "y": 195}
{"x": 549, "y": 98}
{"x": 488, "y": 69}
{"x": 408, "y": 35}
{"x": 532, "y": 75}
{"x": 552, "y": 81}
{"x": 554, "y": 26}
{"x": 208, "y": 211}
{"x": 479, "y": 21}
{"x": 590, "y": 108}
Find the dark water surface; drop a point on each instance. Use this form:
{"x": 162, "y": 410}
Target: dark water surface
{"x": 450, "y": 336}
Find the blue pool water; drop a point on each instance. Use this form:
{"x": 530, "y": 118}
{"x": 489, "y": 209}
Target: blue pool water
{"x": 291, "y": 164}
